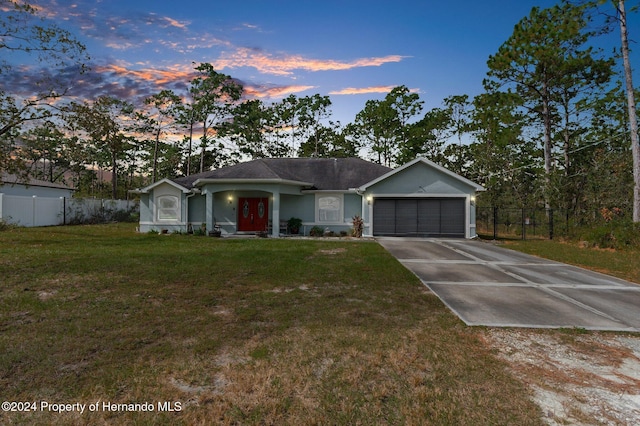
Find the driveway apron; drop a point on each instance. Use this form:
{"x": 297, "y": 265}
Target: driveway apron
{"x": 492, "y": 286}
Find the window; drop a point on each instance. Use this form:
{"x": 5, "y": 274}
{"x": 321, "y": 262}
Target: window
{"x": 168, "y": 207}
{"x": 329, "y": 208}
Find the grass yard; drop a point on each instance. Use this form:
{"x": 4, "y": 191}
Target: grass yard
{"x": 255, "y": 331}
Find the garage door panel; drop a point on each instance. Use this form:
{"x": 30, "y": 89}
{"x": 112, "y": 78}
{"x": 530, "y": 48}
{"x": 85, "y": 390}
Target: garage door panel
{"x": 384, "y": 214}
{"x": 429, "y": 217}
{"x": 406, "y": 217}
{"x": 453, "y": 218}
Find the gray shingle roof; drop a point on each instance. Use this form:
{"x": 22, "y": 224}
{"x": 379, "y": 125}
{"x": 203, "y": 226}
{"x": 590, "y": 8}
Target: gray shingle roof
{"x": 11, "y": 179}
{"x": 323, "y": 173}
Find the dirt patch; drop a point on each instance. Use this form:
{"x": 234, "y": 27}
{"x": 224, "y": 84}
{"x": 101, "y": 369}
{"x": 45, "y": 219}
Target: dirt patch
{"x": 589, "y": 379}
{"x": 331, "y": 252}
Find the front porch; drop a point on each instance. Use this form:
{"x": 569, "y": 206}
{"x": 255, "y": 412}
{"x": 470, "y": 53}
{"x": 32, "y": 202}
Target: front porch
{"x": 244, "y": 209}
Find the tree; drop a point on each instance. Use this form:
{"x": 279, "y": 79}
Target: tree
{"x": 251, "y": 129}
{"x": 504, "y": 162}
{"x": 631, "y": 106}
{"x": 427, "y": 137}
{"x": 546, "y": 62}
{"x": 21, "y": 32}
{"x": 158, "y": 119}
{"x": 329, "y": 141}
{"x": 377, "y": 124}
{"x": 213, "y": 95}
{"x": 44, "y": 150}
{"x": 313, "y": 110}
{"x": 287, "y": 119}
{"x": 385, "y": 126}
{"x": 406, "y": 105}
{"x": 107, "y": 123}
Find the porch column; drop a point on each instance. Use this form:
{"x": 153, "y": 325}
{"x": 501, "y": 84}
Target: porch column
{"x": 209, "y": 210}
{"x": 275, "y": 216}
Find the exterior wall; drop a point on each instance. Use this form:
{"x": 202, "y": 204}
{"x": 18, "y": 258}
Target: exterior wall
{"x": 196, "y": 210}
{"x": 146, "y": 213}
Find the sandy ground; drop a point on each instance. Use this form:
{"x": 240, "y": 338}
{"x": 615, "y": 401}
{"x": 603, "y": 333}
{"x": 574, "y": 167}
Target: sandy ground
{"x": 576, "y": 378}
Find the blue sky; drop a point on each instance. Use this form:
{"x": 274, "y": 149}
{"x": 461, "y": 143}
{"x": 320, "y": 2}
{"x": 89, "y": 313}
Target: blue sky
{"x": 350, "y": 50}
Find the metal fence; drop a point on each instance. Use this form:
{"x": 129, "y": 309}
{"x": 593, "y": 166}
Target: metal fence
{"x": 51, "y": 211}
{"x": 523, "y": 224}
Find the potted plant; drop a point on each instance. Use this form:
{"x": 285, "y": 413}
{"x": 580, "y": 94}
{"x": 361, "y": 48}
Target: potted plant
{"x": 294, "y": 225}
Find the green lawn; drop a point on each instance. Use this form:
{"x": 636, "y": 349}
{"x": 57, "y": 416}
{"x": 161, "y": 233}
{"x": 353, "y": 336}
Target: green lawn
{"x": 257, "y": 331}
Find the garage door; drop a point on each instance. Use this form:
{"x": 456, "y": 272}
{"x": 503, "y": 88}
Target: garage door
{"x": 419, "y": 217}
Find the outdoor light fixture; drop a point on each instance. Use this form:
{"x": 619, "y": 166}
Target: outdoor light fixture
{"x": 369, "y": 198}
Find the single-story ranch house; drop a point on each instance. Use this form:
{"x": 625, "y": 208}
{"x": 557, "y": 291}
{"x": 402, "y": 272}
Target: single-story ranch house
{"x": 419, "y": 198}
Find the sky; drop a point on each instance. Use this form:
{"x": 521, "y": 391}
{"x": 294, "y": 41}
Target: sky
{"x": 350, "y": 50}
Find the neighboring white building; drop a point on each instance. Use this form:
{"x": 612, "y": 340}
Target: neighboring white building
{"x": 32, "y": 202}
{"x": 14, "y": 185}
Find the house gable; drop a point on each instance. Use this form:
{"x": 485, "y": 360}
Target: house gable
{"x": 422, "y": 177}
{"x": 165, "y": 181}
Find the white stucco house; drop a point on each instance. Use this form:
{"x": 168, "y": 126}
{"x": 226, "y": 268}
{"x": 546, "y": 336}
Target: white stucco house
{"x": 418, "y": 199}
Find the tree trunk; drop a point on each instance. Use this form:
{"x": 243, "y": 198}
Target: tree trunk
{"x": 633, "y": 118}
{"x": 202, "y": 151}
{"x": 190, "y": 144}
{"x": 155, "y": 155}
{"x": 546, "y": 117}
{"x": 114, "y": 178}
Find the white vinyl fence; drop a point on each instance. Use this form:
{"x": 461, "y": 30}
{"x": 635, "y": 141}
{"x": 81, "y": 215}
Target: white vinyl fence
{"x": 48, "y": 211}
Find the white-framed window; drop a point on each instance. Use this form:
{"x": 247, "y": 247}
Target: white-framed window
{"x": 329, "y": 208}
{"x": 168, "y": 208}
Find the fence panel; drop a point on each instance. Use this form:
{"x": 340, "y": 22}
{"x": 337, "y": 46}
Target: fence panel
{"x": 49, "y": 211}
{"x": 521, "y": 223}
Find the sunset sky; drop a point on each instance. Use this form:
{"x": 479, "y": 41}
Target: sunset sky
{"x": 350, "y": 50}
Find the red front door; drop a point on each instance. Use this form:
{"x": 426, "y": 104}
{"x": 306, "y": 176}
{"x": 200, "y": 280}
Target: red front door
{"x": 253, "y": 214}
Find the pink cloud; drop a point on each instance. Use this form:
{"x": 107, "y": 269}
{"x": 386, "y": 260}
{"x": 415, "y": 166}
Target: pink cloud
{"x": 284, "y": 65}
{"x": 365, "y": 90}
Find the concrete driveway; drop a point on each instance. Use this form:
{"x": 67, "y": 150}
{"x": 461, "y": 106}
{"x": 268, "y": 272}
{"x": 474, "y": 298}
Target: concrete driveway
{"x": 492, "y": 286}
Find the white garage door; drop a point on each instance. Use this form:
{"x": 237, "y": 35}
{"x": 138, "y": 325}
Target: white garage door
{"x": 419, "y": 217}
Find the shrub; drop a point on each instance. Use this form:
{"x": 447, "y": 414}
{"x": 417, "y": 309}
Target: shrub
{"x": 615, "y": 234}
{"x": 294, "y": 225}
{"x": 6, "y": 226}
{"x": 316, "y": 231}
